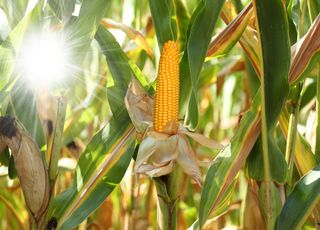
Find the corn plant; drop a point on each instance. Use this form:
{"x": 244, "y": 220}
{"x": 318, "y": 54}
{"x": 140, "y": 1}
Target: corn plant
{"x": 159, "y": 114}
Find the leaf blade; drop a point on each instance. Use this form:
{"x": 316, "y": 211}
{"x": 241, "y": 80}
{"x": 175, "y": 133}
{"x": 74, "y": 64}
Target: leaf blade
{"x": 301, "y": 201}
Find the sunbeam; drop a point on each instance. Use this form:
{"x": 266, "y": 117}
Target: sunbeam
{"x": 44, "y": 59}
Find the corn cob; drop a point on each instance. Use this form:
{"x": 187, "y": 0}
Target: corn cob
{"x": 166, "y": 109}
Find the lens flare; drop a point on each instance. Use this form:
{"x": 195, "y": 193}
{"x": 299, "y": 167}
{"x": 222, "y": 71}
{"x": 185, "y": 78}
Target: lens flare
{"x": 44, "y": 60}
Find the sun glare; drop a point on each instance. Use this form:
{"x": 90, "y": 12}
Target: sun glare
{"x": 44, "y": 59}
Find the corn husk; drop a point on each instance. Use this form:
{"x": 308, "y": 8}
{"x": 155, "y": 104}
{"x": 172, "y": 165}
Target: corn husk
{"x": 47, "y": 110}
{"x": 3, "y": 145}
{"x": 160, "y": 152}
{"x": 140, "y": 107}
{"x": 157, "y": 154}
{"x": 30, "y": 168}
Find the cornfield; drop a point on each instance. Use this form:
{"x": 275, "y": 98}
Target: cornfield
{"x": 159, "y": 114}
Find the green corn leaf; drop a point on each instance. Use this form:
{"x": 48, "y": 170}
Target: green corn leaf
{"x": 229, "y": 161}
{"x": 13, "y": 203}
{"x": 308, "y": 94}
{"x": 203, "y": 21}
{"x": 304, "y": 18}
{"x": 106, "y": 158}
{"x": 119, "y": 68}
{"x": 85, "y": 114}
{"x": 162, "y": 12}
{"x": 314, "y": 9}
{"x": 273, "y": 33}
{"x": 254, "y": 83}
{"x": 15, "y": 11}
{"x": 254, "y": 164}
{"x": 185, "y": 84}
{"x": 100, "y": 168}
{"x": 81, "y": 32}
{"x": 21, "y": 99}
{"x": 221, "y": 208}
{"x": 22, "y": 105}
{"x": 182, "y": 18}
{"x": 301, "y": 201}
{"x": 201, "y": 27}
{"x": 293, "y": 12}
{"x": 11, "y": 45}
{"x": 62, "y": 8}
{"x": 275, "y": 47}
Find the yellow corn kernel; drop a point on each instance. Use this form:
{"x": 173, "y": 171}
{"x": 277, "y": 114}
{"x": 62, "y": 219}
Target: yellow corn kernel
{"x": 166, "y": 109}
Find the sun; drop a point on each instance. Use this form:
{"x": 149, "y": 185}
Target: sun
{"x": 44, "y": 59}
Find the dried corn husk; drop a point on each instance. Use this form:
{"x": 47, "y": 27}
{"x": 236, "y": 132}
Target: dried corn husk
{"x": 30, "y": 167}
{"x": 3, "y": 145}
{"x": 47, "y": 110}
{"x": 140, "y": 107}
{"x": 159, "y": 152}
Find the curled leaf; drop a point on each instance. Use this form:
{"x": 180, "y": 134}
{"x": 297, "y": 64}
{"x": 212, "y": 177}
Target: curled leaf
{"x": 304, "y": 51}
{"x": 133, "y": 34}
{"x": 248, "y": 39}
{"x": 225, "y": 40}
{"x": 201, "y": 139}
{"x": 28, "y": 162}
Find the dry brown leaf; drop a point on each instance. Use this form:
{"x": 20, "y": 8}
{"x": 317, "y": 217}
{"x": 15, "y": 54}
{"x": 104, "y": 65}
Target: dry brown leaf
{"x": 252, "y": 219}
{"x": 201, "y": 139}
{"x": 105, "y": 214}
{"x": 188, "y": 161}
